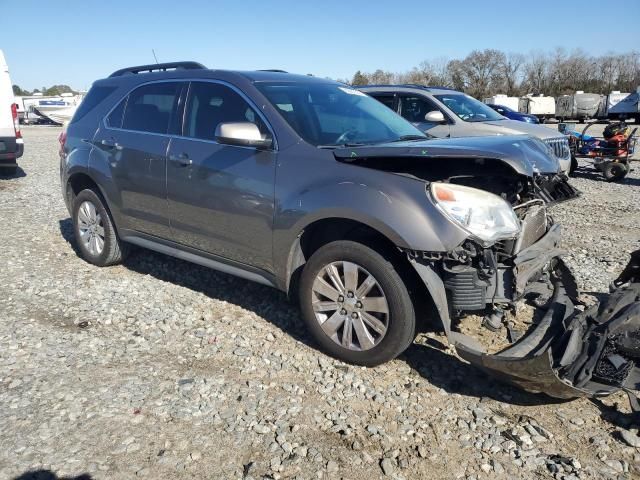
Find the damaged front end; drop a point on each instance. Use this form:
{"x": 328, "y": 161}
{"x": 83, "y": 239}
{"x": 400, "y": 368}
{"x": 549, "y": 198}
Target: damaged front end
{"x": 565, "y": 350}
{"x": 516, "y": 286}
{"x": 569, "y": 352}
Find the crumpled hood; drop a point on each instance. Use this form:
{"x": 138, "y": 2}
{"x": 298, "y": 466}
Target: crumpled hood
{"x": 524, "y": 154}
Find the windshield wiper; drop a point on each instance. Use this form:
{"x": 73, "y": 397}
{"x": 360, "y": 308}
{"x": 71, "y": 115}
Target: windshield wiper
{"x": 406, "y": 138}
{"x": 342, "y": 145}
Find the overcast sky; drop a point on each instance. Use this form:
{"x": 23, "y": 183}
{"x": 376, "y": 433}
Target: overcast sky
{"x": 75, "y": 42}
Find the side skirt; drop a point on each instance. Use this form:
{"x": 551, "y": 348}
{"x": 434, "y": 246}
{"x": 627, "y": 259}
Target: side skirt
{"x": 200, "y": 258}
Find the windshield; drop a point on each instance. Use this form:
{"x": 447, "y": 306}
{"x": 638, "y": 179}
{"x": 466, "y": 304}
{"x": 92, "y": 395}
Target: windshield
{"x": 331, "y": 115}
{"x": 468, "y": 108}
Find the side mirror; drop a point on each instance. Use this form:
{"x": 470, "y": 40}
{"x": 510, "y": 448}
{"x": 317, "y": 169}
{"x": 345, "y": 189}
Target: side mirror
{"x": 434, "y": 116}
{"x": 241, "y": 134}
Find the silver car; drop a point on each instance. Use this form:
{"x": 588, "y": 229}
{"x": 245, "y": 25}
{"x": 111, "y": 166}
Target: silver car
{"x": 442, "y": 112}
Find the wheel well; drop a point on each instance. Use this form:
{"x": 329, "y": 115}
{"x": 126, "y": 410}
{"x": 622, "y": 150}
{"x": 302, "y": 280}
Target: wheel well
{"x": 328, "y": 230}
{"x": 78, "y": 182}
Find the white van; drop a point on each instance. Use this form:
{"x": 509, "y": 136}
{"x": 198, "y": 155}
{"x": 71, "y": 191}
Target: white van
{"x": 11, "y": 142}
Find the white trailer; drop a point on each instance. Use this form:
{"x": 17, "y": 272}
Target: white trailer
{"x": 504, "y": 100}
{"x": 538, "y": 105}
{"x": 579, "y": 106}
{"x": 624, "y": 105}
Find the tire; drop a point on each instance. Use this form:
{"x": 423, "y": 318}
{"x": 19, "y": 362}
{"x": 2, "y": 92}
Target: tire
{"x": 574, "y": 165}
{"x": 8, "y": 171}
{"x": 112, "y": 250}
{"x": 614, "y": 171}
{"x": 399, "y": 319}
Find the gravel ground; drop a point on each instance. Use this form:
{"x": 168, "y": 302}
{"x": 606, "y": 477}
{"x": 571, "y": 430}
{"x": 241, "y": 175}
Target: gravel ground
{"x": 163, "y": 369}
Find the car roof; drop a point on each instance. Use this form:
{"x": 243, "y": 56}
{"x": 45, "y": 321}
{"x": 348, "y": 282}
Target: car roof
{"x": 188, "y": 69}
{"x": 434, "y": 90}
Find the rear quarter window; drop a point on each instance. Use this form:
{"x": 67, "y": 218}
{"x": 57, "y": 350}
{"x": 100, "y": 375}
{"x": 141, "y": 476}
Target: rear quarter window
{"x": 92, "y": 99}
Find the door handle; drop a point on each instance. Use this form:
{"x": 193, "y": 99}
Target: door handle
{"x": 182, "y": 159}
{"x": 111, "y": 143}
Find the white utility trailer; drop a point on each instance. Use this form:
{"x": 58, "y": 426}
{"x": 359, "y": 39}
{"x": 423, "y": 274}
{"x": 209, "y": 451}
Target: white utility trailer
{"x": 539, "y": 105}
{"x": 504, "y": 100}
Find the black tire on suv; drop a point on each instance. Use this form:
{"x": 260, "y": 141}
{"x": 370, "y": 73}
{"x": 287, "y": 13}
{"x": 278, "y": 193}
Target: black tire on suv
{"x": 366, "y": 317}
{"x": 95, "y": 234}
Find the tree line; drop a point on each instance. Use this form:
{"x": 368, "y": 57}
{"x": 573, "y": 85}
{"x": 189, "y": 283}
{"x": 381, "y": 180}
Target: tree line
{"x": 51, "y": 91}
{"x": 487, "y": 72}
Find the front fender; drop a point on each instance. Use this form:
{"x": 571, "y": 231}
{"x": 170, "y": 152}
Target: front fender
{"x": 396, "y": 206}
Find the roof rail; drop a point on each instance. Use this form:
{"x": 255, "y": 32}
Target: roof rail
{"x": 158, "y": 67}
{"x": 273, "y": 70}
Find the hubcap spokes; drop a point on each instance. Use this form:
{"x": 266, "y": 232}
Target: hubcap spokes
{"x": 350, "y": 306}
{"x": 91, "y": 228}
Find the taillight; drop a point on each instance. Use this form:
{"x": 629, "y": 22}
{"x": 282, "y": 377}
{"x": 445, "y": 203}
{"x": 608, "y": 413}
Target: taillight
{"x": 16, "y": 122}
{"x": 62, "y": 139}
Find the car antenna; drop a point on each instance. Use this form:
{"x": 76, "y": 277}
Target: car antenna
{"x": 154, "y": 55}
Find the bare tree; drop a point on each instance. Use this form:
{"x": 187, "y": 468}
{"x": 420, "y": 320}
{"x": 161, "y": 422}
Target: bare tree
{"x": 511, "y": 70}
{"x": 486, "y": 72}
{"x": 536, "y": 73}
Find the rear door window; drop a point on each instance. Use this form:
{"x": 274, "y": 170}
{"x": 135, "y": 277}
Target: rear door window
{"x": 388, "y": 100}
{"x": 152, "y": 108}
{"x": 115, "y": 117}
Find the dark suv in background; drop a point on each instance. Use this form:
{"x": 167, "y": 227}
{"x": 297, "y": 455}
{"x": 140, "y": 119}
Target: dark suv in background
{"x": 317, "y": 189}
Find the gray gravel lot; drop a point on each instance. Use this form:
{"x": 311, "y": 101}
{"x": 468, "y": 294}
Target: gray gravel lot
{"x": 163, "y": 369}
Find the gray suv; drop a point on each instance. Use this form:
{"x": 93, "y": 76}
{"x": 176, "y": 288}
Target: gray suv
{"x": 321, "y": 191}
{"x": 442, "y": 112}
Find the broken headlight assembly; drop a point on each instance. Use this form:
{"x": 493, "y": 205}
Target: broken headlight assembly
{"x": 487, "y": 217}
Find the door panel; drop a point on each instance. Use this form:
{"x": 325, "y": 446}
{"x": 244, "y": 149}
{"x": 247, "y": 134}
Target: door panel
{"x": 135, "y": 144}
{"x": 220, "y": 197}
{"x": 222, "y": 202}
{"x": 137, "y": 164}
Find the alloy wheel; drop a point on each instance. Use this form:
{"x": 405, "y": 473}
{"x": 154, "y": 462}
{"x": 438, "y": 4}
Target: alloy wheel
{"x": 91, "y": 228}
{"x": 350, "y": 306}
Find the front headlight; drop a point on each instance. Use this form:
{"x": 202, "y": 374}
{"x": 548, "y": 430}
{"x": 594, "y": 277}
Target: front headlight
{"x": 484, "y": 215}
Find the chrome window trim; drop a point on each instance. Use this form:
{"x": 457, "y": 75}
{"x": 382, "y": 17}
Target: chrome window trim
{"x": 189, "y": 81}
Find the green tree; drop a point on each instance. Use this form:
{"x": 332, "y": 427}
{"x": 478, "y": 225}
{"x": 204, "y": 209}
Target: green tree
{"x": 359, "y": 79}
{"x": 19, "y": 91}
{"x": 57, "y": 90}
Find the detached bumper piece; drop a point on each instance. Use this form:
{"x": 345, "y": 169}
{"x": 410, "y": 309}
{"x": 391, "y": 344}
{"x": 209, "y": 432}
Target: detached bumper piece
{"x": 572, "y": 353}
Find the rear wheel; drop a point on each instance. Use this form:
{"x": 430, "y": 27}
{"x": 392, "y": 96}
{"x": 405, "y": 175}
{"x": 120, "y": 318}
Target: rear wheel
{"x": 94, "y": 231}
{"x": 8, "y": 171}
{"x": 355, "y": 304}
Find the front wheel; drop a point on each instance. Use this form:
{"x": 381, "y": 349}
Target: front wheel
{"x": 574, "y": 164}
{"x": 614, "y": 171}
{"x": 355, "y": 304}
{"x": 94, "y": 231}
